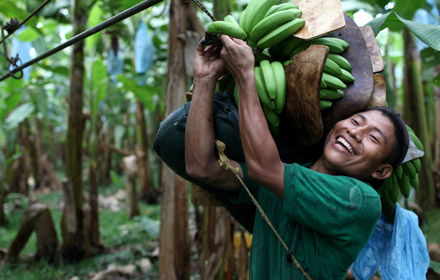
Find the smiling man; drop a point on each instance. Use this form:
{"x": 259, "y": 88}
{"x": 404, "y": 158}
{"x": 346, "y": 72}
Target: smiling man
{"x": 324, "y": 211}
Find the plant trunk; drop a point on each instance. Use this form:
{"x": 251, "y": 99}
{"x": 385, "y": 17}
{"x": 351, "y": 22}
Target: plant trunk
{"x": 93, "y": 221}
{"x": 221, "y": 8}
{"x": 437, "y": 143}
{"x": 75, "y": 244}
{"x": 38, "y": 218}
{"x": 144, "y": 170}
{"x": 106, "y": 156}
{"x": 32, "y": 147}
{"x": 174, "y": 236}
{"x": 415, "y": 116}
{"x": 93, "y": 226}
{"x": 21, "y": 172}
{"x": 129, "y": 165}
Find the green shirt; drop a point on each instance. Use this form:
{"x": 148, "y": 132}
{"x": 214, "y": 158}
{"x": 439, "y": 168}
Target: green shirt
{"x": 325, "y": 221}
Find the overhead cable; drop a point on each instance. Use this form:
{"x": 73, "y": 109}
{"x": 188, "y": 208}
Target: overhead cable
{"x": 109, "y": 22}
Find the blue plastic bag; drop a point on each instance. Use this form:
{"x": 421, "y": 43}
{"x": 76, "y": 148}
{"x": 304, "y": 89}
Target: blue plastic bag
{"x": 115, "y": 63}
{"x": 143, "y": 49}
{"x": 23, "y": 49}
{"x": 399, "y": 251}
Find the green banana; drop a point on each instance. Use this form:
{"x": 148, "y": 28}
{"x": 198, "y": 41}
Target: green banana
{"x": 399, "y": 172}
{"x": 325, "y": 104}
{"x": 410, "y": 129}
{"x": 333, "y": 82}
{"x": 323, "y": 84}
{"x": 280, "y": 79}
{"x": 231, "y": 19}
{"x": 288, "y": 45}
{"x": 388, "y": 207}
{"x": 416, "y": 140}
{"x": 287, "y": 62}
{"x": 271, "y": 116}
{"x": 409, "y": 169}
{"x": 301, "y": 47}
{"x": 346, "y": 76}
{"x": 342, "y": 42}
{"x": 341, "y": 61}
{"x": 270, "y": 23}
{"x": 393, "y": 189}
{"x": 262, "y": 94}
{"x": 330, "y": 94}
{"x": 404, "y": 186}
{"x": 227, "y": 28}
{"x": 333, "y": 45}
{"x": 241, "y": 18}
{"x": 414, "y": 182}
{"x": 417, "y": 164}
{"x": 256, "y": 10}
{"x": 332, "y": 68}
{"x": 268, "y": 79}
{"x": 274, "y": 130}
{"x": 281, "y": 7}
{"x": 280, "y": 33}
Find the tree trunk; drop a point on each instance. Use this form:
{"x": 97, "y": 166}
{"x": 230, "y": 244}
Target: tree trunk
{"x": 21, "y": 173}
{"x": 32, "y": 147}
{"x": 93, "y": 221}
{"x": 75, "y": 244}
{"x": 144, "y": 170}
{"x": 54, "y": 182}
{"x": 437, "y": 143}
{"x": 415, "y": 116}
{"x": 37, "y": 217}
{"x": 174, "y": 237}
{"x": 106, "y": 156}
{"x": 130, "y": 169}
{"x": 221, "y": 8}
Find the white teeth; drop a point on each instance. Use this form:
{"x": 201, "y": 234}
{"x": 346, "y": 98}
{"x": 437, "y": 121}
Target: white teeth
{"x": 346, "y": 145}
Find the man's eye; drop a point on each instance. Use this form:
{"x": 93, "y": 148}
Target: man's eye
{"x": 355, "y": 122}
{"x": 375, "y": 138}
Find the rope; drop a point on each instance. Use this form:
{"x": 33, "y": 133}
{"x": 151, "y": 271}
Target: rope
{"x": 226, "y": 164}
{"x": 204, "y": 10}
{"x": 113, "y": 20}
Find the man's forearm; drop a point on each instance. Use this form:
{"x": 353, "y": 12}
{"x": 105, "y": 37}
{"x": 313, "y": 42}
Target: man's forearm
{"x": 199, "y": 134}
{"x": 259, "y": 147}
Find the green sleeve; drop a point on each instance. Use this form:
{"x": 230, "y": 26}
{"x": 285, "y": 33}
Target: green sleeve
{"x": 332, "y": 205}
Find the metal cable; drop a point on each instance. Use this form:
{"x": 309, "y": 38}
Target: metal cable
{"x": 113, "y": 20}
{"x": 18, "y": 25}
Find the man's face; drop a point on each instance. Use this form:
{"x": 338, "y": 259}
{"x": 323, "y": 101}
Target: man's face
{"x": 358, "y": 145}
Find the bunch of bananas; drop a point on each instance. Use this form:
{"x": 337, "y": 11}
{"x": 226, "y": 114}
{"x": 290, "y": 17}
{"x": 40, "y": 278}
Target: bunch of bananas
{"x": 401, "y": 181}
{"x": 337, "y": 69}
{"x": 268, "y": 28}
{"x": 263, "y": 23}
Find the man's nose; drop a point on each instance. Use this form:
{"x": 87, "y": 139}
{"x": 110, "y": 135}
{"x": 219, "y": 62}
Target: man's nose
{"x": 356, "y": 133}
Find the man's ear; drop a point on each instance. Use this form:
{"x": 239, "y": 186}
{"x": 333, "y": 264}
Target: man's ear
{"x": 384, "y": 171}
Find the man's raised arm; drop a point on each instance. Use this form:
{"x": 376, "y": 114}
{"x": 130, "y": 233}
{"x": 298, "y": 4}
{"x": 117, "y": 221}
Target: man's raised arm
{"x": 200, "y": 156}
{"x": 261, "y": 153}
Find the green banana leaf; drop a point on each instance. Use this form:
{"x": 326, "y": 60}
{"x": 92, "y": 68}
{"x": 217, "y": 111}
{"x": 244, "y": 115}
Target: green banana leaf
{"x": 427, "y": 33}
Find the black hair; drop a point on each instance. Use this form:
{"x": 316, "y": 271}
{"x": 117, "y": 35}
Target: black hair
{"x": 400, "y": 146}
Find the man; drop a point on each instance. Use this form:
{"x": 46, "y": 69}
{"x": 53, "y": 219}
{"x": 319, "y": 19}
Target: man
{"x": 322, "y": 212}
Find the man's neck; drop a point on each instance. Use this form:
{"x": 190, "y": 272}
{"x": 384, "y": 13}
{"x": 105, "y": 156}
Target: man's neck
{"x": 320, "y": 166}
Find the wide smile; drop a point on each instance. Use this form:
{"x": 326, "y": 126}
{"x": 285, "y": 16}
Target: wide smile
{"x": 340, "y": 141}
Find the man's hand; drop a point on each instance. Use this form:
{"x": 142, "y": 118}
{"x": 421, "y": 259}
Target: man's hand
{"x": 238, "y": 57}
{"x": 207, "y": 62}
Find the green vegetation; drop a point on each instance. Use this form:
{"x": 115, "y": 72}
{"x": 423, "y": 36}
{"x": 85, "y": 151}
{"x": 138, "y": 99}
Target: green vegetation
{"x": 126, "y": 241}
